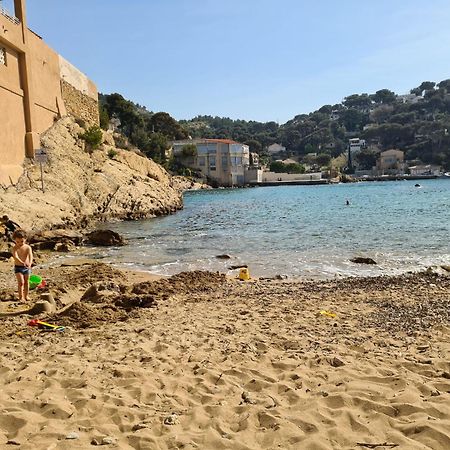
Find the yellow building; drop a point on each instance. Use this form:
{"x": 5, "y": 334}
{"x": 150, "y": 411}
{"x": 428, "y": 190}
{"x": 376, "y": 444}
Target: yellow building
{"x": 391, "y": 162}
{"x": 37, "y": 86}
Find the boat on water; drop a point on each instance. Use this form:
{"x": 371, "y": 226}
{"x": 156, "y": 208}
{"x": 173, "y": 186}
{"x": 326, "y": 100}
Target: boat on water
{"x": 447, "y": 174}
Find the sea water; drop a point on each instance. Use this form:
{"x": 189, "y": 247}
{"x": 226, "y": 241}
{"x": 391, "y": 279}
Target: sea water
{"x": 298, "y": 231}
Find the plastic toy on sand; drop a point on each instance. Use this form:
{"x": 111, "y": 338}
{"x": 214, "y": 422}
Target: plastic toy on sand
{"x": 35, "y": 281}
{"x": 44, "y": 326}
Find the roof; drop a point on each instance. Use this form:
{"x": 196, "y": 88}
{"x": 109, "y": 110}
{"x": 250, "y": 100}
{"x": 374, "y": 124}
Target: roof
{"x": 202, "y": 141}
{"x": 221, "y": 141}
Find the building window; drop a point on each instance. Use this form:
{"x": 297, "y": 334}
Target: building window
{"x": 2, "y": 56}
{"x": 212, "y": 163}
{"x": 201, "y": 161}
{"x": 224, "y": 161}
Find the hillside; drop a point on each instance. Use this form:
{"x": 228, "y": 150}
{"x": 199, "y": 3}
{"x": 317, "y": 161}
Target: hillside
{"x": 417, "y": 123}
{"x": 83, "y": 185}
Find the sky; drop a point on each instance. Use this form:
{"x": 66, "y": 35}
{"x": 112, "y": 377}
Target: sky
{"x": 264, "y": 60}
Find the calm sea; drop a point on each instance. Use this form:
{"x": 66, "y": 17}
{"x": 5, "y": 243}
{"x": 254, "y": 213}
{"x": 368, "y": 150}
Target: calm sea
{"x": 299, "y": 231}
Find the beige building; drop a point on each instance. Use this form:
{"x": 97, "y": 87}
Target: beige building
{"x": 391, "y": 162}
{"x": 222, "y": 160}
{"x": 37, "y": 86}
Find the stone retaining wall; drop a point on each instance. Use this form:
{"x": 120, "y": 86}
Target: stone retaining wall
{"x": 80, "y": 105}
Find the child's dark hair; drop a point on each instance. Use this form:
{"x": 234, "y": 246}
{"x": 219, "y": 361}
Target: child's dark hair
{"x": 19, "y": 234}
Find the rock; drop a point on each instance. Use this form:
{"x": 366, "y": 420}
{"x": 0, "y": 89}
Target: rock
{"x": 73, "y": 436}
{"x": 446, "y": 267}
{"x": 336, "y": 362}
{"x": 53, "y": 237}
{"x": 363, "y": 260}
{"x": 95, "y": 442}
{"x": 13, "y": 442}
{"x": 172, "y": 419}
{"x": 139, "y": 426}
{"x": 109, "y": 440}
{"x": 64, "y": 247}
{"x": 5, "y": 255}
{"x": 223, "y": 256}
{"x": 422, "y": 348}
{"x": 241, "y": 266}
{"x": 7, "y": 226}
{"x": 104, "y": 238}
{"x": 246, "y": 398}
{"x": 129, "y": 187}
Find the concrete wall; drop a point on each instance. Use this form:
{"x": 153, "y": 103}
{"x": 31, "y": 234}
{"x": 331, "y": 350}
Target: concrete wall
{"x": 32, "y": 93}
{"x": 273, "y": 176}
{"x": 12, "y": 119}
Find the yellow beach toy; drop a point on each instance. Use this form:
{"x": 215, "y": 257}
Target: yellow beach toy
{"x": 244, "y": 274}
{"x": 326, "y": 313}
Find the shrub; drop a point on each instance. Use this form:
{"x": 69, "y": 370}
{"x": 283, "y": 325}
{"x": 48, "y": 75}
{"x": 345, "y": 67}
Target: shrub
{"x": 93, "y": 136}
{"x": 112, "y": 153}
{"x": 189, "y": 150}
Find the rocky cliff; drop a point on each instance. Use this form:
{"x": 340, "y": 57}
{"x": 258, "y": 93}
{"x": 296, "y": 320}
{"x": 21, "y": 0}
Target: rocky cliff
{"x": 82, "y": 185}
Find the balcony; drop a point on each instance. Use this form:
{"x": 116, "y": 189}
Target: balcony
{"x": 9, "y": 16}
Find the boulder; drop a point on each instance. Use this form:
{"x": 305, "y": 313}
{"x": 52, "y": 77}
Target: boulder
{"x": 104, "y": 238}
{"x": 223, "y": 256}
{"x": 363, "y": 260}
{"x": 48, "y": 240}
{"x": 64, "y": 247}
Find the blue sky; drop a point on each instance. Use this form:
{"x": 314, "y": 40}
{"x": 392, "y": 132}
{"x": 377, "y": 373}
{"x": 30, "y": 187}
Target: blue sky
{"x": 250, "y": 59}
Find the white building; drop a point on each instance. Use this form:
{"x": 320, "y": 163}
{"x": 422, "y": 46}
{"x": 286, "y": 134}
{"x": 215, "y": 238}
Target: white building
{"x": 356, "y": 145}
{"x": 409, "y": 98}
{"x": 426, "y": 169}
{"x": 275, "y": 148}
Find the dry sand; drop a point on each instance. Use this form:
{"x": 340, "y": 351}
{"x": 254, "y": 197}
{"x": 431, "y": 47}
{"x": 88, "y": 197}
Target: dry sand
{"x": 198, "y": 361}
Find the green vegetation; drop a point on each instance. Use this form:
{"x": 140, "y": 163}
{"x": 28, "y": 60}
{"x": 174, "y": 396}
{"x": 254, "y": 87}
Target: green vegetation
{"x": 112, "y": 153}
{"x": 150, "y": 132}
{"x": 189, "y": 150}
{"x": 418, "y": 125}
{"x": 93, "y": 137}
{"x": 279, "y": 167}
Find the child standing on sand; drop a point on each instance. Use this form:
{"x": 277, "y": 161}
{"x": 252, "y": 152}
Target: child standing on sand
{"x": 23, "y": 259}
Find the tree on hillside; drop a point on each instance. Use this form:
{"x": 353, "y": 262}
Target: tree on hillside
{"x": 323, "y": 159}
{"x": 445, "y": 85}
{"x": 381, "y": 113}
{"x": 391, "y": 135}
{"x": 358, "y": 101}
{"x": 157, "y": 147}
{"x": 254, "y": 145}
{"x": 352, "y": 119}
{"x": 384, "y": 96}
{"x": 424, "y": 86}
{"x": 164, "y": 123}
{"x": 366, "y": 159}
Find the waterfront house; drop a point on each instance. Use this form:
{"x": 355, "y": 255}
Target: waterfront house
{"x": 391, "y": 162}
{"x": 222, "y": 160}
{"x": 426, "y": 169}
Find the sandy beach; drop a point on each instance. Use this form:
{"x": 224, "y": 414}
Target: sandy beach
{"x": 199, "y": 361}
